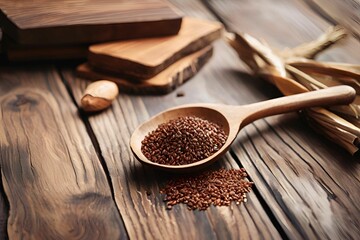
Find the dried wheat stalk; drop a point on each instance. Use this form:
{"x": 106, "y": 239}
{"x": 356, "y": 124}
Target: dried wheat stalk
{"x": 293, "y": 71}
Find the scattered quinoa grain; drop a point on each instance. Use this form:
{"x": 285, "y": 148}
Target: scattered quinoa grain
{"x": 204, "y": 189}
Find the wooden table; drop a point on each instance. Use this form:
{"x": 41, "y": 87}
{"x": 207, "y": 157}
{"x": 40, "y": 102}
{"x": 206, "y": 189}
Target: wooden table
{"x": 67, "y": 175}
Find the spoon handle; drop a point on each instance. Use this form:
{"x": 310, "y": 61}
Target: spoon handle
{"x": 325, "y": 97}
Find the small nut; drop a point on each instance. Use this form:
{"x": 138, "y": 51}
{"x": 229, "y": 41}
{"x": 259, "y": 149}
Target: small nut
{"x": 99, "y": 95}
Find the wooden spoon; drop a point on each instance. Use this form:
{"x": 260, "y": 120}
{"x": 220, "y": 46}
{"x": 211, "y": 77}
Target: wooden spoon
{"x": 233, "y": 118}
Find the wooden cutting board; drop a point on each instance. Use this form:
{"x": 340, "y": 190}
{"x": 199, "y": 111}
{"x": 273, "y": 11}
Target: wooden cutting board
{"x": 20, "y": 53}
{"x": 164, "y": 82}
{"x": 144, "y": 58}
{"x": 49, "y": 22}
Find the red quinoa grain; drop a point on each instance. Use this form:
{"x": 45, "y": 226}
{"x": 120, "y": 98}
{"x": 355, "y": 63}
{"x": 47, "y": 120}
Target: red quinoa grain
{"x": 182, "y": 141}
{"x": 217, "y": 187}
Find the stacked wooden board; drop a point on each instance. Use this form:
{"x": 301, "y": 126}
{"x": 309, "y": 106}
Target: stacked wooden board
{"x": 146, "y": 46}
{"x": 42, "y": 29}
{"x": 153, "y": 65}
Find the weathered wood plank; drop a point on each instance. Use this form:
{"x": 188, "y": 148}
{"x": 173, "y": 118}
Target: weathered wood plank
{"x": 311, "y": 185}
{"x": 345, "y": 13}
{"x": 283, "y": 24}
{"x": 51, "y": 174}
{"x": 137, "y": 188}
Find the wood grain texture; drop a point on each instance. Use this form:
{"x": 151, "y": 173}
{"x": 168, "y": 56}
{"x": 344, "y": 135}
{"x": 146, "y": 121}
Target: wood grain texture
{"x": 310, "y": 185}
{"x": 147, "y": 57}
{"x": 345, "y": 13}
{"x": 137, "y": 187}
{"x": 305, "y": 186}
{"x": 52, "y": 177}
{"x": 299, "y": 23}
{"x": 44, "y": 22}
{"x": 166, "y": 81}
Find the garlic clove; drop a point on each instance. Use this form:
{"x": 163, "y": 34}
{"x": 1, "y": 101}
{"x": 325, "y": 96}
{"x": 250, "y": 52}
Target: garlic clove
{"x": 99, "y": 96}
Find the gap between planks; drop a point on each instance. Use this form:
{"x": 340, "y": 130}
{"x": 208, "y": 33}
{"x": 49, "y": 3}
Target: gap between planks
{"x": 4, "y": 211}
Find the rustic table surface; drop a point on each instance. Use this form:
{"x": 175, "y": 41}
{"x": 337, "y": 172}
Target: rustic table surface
{"x": 65, "y": 175}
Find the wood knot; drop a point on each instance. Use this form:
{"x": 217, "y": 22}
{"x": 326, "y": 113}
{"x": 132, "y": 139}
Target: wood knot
{"x": 20, "y": 101}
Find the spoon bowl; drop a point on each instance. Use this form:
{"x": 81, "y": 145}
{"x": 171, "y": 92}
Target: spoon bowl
{"x": 232, "y": 118}
{"x": 204, "y": 111}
